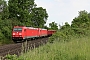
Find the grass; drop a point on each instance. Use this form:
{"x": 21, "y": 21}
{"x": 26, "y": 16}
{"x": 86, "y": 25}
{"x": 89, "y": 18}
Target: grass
{"x": 5, "y": 42}
{"x": 75, "y": 49}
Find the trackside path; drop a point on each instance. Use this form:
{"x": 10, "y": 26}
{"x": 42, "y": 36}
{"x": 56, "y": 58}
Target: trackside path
{"x": 17, "y": 48}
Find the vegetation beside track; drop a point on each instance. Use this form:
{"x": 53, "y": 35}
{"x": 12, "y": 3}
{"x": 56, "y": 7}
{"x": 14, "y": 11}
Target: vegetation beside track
{"x": 78, "y": 48}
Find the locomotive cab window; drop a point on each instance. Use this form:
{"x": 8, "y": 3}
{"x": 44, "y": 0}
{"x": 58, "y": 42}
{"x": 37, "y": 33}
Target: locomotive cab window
{"x": 18, "y": 29}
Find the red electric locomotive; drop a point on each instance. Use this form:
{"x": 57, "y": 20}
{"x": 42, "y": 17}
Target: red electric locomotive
{"x": 20, "y": 33}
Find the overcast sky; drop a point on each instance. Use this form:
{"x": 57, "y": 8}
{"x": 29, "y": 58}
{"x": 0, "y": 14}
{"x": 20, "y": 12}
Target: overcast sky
{"x": 62, "y": 11}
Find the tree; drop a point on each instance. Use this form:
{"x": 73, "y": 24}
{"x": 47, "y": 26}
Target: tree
{"x": 3, "y": 10}
{"x": 81, "y": 24}
{"x": 66, "y": 26}
{"x": 82, "y": 21}
{"x": 5, "y": 13}
{"x": 27, "y": 13}
{"x": 1, "y": 5}
{"x": 53, "y": 26}
{"x": 39, "y": 17}
{"x": 21, "y": 9}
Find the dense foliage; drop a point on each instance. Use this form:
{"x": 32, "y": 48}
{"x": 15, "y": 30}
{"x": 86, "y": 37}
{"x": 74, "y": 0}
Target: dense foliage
{"x": 39, "y": 17}
{"x": 53, "y": 26}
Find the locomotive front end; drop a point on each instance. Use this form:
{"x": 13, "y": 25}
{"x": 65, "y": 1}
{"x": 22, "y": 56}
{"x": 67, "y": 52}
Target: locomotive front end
{"x": 17, "y": 34}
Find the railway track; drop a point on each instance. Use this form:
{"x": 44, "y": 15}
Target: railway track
{"x": 21, "y": 47}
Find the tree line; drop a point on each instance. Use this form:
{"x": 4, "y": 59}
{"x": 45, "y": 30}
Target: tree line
{"x": 80, "y": 27}
{"x": 80, "y": 24}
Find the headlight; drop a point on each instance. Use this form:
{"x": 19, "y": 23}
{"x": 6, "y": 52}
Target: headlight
{"x": 20, "y": 34}
{"x": 13, "y": 33}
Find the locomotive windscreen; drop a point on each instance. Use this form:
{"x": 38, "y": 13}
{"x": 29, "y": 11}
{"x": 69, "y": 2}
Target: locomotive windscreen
{"x": 17, "y": 29}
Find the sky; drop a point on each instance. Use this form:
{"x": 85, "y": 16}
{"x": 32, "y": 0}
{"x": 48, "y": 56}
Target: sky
{"x": 62, "y": 11}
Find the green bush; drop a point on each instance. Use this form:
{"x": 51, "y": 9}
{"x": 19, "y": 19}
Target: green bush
{"x": 11, "y": 57}
{"x": 62, "y": 35}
